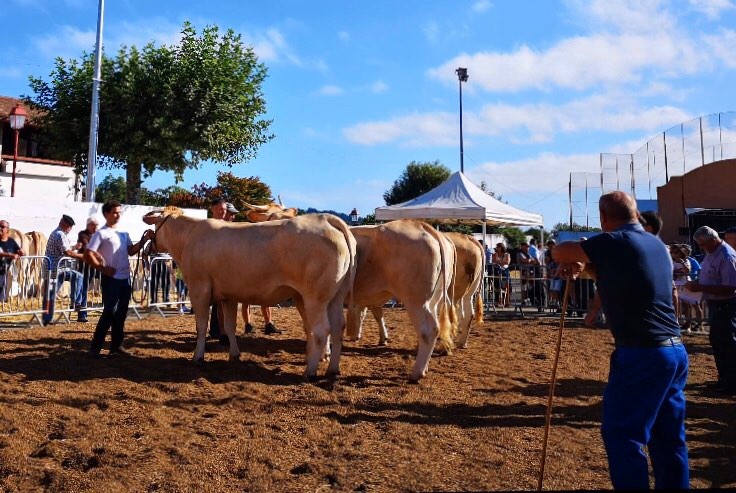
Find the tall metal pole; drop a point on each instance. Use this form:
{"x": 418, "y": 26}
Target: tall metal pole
{"x": 462, "y": 165}
{"x": 94, "y": 116}
{"x": 462, "y": 76}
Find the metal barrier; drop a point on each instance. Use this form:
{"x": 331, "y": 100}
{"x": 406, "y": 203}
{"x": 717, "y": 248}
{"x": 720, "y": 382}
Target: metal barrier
{"x": 533, "y": 287}
{"x": 166, "y": 287}
{"x": 30, "y": 286}
{"x": 22, "y": 289}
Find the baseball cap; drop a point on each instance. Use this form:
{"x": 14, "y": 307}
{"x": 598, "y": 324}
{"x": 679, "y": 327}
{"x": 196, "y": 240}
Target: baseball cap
{"x": 231, "y": 208}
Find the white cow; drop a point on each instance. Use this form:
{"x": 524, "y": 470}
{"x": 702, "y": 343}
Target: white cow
{"x": 408, "y": 260}
{"x": 467, "y": 284}
{"x": 309, "y": 258}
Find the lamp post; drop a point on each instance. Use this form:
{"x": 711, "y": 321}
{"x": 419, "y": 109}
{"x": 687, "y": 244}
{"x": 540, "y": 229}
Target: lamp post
{"x": 462, "y": 76}
{"x": 354, "y": 216}
{"x": 17, "y": 120}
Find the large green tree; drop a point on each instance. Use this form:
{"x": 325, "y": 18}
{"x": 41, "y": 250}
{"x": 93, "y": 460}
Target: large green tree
{"x": 161, "y": 108}
{"x": 417, "y": 178}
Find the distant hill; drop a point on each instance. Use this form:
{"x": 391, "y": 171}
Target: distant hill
{"x": 341, "y": 215}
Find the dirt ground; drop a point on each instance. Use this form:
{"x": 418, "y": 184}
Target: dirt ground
{"x": 155, "y": 421}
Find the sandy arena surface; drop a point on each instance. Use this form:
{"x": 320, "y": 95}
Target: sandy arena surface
{"x": 155, "y": 421}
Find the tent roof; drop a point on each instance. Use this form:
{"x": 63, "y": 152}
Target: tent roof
{"x": 458, "y": 199}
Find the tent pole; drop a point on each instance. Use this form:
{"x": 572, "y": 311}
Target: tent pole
{"x": 485, "y": 260}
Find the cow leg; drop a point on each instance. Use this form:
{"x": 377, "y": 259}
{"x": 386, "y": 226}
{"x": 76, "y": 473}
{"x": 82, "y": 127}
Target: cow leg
{"x": 377, "y": 312}
{"x": 230, "y": 313}
{"x": 354, "y": 326}
{"x": 201, "y": 307}
{"x": 427, "y": 328}
{"x": 465, "y": 319}
{"x": 319, "y": 323}
{"x": 337, "y": 325}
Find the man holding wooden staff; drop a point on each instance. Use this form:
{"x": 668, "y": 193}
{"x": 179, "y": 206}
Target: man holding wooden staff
{"x": 643, "y": 403}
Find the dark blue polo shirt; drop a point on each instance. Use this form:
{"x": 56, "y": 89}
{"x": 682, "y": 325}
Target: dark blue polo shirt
{"x": 634, "y": 279}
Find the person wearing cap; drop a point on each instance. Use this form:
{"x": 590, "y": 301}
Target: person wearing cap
{"x": 269, "y": 327}
{"x": 218, "y": 209}
{"x": 59, "y": 246}
{"x": 230, "y": 212}
{"x": 83, "y": 238}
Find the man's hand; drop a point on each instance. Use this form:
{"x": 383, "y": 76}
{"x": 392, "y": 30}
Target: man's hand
{"x": 571, "y": 270}
{"x": 148, "y": 235}
{"x": 590, "y": 318}
{"x": 108, "y": 270}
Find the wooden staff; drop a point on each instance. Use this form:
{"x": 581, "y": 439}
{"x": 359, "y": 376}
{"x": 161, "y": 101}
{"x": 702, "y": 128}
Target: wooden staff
{"x": 548, "y": 417}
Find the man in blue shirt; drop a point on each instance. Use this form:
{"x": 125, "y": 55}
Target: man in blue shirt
{"x": 643, "y": 403}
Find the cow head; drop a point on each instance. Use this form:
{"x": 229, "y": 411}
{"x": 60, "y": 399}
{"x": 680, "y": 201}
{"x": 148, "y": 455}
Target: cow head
{"x": 270, "y": 212}
{"x": 158, "y": 218}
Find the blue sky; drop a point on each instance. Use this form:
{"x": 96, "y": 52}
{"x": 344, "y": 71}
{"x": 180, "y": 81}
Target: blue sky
{"x": 358, "y": 89}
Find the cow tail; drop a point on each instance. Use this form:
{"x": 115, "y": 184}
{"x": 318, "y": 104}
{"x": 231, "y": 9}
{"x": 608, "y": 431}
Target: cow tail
{"x": 447, "y": 316}
{"x": 479, "y": 291}
{"x": 352, "y": 251}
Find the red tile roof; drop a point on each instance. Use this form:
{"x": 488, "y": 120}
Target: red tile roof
{"x": 8, "y": 103}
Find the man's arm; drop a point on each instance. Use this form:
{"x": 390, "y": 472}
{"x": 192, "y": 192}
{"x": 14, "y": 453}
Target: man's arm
{"x": 572, "y": 258}
{"x": 135, "y": 248}
{"x": 97, "y": 262}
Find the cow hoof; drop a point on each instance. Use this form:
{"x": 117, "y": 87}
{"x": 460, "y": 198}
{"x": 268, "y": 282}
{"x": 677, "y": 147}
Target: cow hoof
{"x": 383, "y": 343}
{"x": 414, "y": 380}
{"x": 310, "y": 378}
{"x": 235, "y": 357}
{"x": 332, "y": 375}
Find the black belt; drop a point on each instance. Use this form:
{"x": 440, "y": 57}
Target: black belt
{"x": 636, "y": 343}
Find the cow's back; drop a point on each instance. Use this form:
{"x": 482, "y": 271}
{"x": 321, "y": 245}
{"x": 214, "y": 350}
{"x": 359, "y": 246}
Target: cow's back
{"x": 468, "y": 264}
{"x": 264, "y": 262}
{"x": 399, "y": 258}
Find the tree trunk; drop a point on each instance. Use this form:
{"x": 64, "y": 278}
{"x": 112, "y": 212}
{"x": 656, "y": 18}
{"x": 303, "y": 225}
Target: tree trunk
{"x": 133, "y": 183}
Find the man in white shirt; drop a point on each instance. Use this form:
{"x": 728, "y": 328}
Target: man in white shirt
{"x": 108, "y": 251}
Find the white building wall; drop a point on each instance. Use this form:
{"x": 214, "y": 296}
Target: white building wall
{"x": 37, "y": 180}
{"x": 40, "y": 214}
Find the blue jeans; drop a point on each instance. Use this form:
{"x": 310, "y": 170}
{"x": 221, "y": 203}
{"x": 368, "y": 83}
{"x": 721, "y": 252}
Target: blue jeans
{"x": 644, "y": 406}
{"x": 115, "y": 301}
{"x": 49, "y": 297}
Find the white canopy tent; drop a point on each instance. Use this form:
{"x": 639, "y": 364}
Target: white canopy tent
{"x": 458, "y": 200}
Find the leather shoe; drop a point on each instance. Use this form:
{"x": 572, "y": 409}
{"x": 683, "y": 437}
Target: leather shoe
{"x": 223, "y": 340}
{"x": 271, "y": 329}
{"x": 83, "y": 320}
{"x": 92, "y": 354}
{"x": 249, "y": 329}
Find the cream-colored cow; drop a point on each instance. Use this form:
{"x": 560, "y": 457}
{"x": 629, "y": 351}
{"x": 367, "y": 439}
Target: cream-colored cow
{"x": 309, "y": 258}
{"x": 467, "y": 283}
{"x": 408, "y": 260}
{"x": 270, "y": 212}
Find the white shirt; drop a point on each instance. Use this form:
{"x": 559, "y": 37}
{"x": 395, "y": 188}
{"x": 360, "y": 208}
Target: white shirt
{"x": 113, "y": 246}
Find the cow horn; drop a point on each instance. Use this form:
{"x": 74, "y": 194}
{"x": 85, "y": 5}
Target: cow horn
{"x": 262, "y": 208}
{"x": 280, "y": 203}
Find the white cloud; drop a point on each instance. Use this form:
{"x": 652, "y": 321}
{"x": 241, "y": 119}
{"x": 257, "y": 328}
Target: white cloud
{"x": 343, "y": 36}
{"x": 519, "y": 124}
{"x": 481, "y": 6}
{"x": 578, "y": 63}
{"x": 379, "y": 86}
{"x": 712, "y": 9}
{"x": 622, "y": 15}
{"x": 431, "y": 31}
{"x": 68, "y": 42}
{"x": 330, "y": 90}
{"x": 418, "y": 129}
{"x": 271, "y": 46}
{"x": 722, "y": 47}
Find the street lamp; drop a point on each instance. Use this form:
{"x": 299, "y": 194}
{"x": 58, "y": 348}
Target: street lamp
{"x": 462, "y": 76}
{"x": 17, "y": 120}
{"x": 354, "y": 215}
